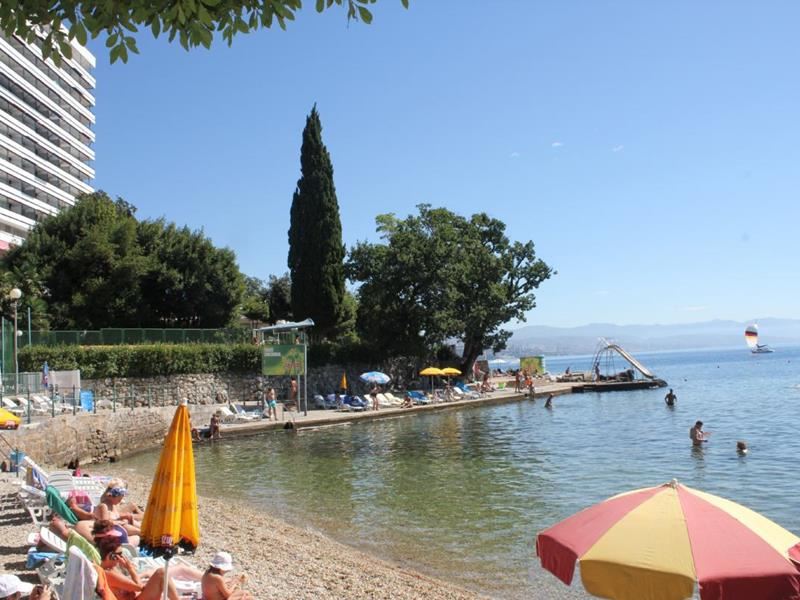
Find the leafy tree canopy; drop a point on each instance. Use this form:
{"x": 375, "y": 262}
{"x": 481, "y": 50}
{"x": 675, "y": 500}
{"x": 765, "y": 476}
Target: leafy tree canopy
{"x": 94, "y": 265}
{"x": 439, "y": 276}
{"x": 193, "y": 22}
{"x": 255, "y": 302}
{"x": 279, "y": 297}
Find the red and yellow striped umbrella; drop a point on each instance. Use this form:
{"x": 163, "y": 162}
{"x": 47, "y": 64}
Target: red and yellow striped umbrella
{"x": 655, "y": 543}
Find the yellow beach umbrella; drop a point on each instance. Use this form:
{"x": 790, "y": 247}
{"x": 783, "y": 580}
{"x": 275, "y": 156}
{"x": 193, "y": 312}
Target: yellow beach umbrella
{"x": 451, "y": 371}
{"x": 432, "y": 372}
{"x": 170, "y": 519}
{"x": 9, "y": 420}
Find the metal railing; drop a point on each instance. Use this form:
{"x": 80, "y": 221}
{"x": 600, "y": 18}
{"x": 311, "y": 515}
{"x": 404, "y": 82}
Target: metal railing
{"x": 35, "y": 403}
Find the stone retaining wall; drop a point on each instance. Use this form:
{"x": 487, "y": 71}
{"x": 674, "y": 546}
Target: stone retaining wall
{"x": 99, "y": 437}
{"x": 134, "y": 413}
{"x": 210, "y": 388}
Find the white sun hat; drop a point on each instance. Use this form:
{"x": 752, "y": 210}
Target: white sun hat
{"x": 222, "y": 561}
{"x": 11, "y": 584}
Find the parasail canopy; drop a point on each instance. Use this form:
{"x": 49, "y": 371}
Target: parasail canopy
{"x": 751, "y": 335}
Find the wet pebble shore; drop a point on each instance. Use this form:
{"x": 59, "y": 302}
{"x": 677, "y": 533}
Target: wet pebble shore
{"x": 280, "y": 561}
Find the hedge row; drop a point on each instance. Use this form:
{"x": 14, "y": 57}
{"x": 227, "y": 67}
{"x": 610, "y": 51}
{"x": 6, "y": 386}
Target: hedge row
{"x": 143, "y": 360}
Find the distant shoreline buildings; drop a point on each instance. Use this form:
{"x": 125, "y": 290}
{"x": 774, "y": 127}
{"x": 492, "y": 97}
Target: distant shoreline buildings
{"x": 46, "y": 135}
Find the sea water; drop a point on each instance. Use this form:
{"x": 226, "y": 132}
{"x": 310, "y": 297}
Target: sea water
{"x": 461, "y": 494}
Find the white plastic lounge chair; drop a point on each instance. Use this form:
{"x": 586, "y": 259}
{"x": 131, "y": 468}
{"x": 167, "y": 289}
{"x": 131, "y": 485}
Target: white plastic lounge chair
{"x": 24, "y": 405}
{"x": 393, "y": 399}
{"x": 384, "y": 402}
{"x": 12, "y": 406}
{"x": 52, "y": 541}
{"x": 226, "y": 416}
{"x": 243, "y": 415}
{"x": 34, "y": 501}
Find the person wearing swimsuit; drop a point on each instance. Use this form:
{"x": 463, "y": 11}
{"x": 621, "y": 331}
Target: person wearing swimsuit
{"x": 124, "y": 580}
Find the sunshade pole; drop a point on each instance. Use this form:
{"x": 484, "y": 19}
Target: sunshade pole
{"x": 305, "y": 374}
{"x": 165, "y": 585}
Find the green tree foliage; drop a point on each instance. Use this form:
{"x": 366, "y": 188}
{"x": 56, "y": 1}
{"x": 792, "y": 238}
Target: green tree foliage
{"x": 255, "y": 302}
{"x": 438, "y": 276}
{"x": 94, "y": 265}
{"x": 279, "y": 297}
{"x": 193, "y": 22}
{"x": 316, "y": 252}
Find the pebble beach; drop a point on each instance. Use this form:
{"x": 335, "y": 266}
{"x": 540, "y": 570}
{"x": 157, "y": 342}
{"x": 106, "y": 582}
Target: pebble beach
{"x": 279, "y": 560}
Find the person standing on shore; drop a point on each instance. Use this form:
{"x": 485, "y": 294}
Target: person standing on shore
{"x": 213, "y": 427}
{"x": 670, "y": 398}
{"x": 272, "y": 404}
{"x": 293, "y": 391}
{"x": 518, "y": 382}
{"x": 697, "y": 435}
{"x": 373, "y": 393}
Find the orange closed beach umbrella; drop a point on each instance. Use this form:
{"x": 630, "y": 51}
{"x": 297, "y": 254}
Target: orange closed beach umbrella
{"x": 343, "y": 383}
{"x": 171, "y": 519}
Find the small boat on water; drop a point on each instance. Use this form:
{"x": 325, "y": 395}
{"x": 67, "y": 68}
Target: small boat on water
{"x": 607, "y": 377}
{"x": 751, "y": 339}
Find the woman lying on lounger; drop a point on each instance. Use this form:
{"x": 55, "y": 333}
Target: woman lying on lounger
{"x": 126, "y": 582}
{"x": 108, "y": 509}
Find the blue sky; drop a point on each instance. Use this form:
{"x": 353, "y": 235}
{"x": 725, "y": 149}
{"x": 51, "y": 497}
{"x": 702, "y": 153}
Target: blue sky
{"x": 650, "y": 150}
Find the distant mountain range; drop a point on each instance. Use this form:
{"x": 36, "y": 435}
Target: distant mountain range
{"x": 541, "y": 339}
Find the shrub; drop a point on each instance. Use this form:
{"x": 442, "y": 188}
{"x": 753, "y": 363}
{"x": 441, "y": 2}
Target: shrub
{"x": 143, "y": 360}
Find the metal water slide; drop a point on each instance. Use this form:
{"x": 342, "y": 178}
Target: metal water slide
{"x": 639, "y": 366}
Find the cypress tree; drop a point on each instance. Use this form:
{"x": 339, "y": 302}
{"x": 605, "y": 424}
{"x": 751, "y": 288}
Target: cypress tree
{"x": 316, "y": 252}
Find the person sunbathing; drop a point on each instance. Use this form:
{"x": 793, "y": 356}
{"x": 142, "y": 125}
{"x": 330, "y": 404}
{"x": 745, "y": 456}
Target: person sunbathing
{"x": 109, "y": 508}
{"x": 214, "y": 585}
{"x": 125, "y": 581}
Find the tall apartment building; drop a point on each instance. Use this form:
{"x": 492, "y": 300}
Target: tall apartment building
{"x": 46, "y": 135}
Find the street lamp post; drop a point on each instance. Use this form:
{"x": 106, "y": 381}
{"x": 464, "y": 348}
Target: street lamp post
{"x": 14, "y": 295}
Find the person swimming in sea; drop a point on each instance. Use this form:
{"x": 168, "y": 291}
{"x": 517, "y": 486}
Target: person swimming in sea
{"x": 741, "y": 447}
{"x": 697, "y": 435}
{"x": 670, "y": 398}
{"x": 549, "y": 403}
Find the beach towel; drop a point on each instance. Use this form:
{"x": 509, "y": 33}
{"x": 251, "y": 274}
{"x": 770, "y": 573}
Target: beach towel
{"x": 80, "y": 578}
{"x": 37, "y": 557}
{"x": 58, "y": 506}
{"x": 87, "y": 549}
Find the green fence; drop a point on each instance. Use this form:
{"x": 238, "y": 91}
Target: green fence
{"x": 114, "y": 337}
{"x": 108, "y": 337}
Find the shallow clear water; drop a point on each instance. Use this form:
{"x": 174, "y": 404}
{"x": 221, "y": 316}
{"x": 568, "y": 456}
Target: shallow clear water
{"x": 461, "y": 494}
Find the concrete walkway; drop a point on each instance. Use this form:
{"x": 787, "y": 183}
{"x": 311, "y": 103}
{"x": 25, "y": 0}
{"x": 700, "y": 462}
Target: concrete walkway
{"x": 323, "y": 418}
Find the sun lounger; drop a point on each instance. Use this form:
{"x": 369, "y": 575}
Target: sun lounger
{"x": 385, "y": 402}
{"x": 34, "y": 501}
{"x": 419, "y": 397}
{"x": 244, "y": 415}
{"x": 50, "y": 540}
{"x": 394, "y": 399}
{"x": 468, "y": 393}
{"x": 12, "y": 407}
